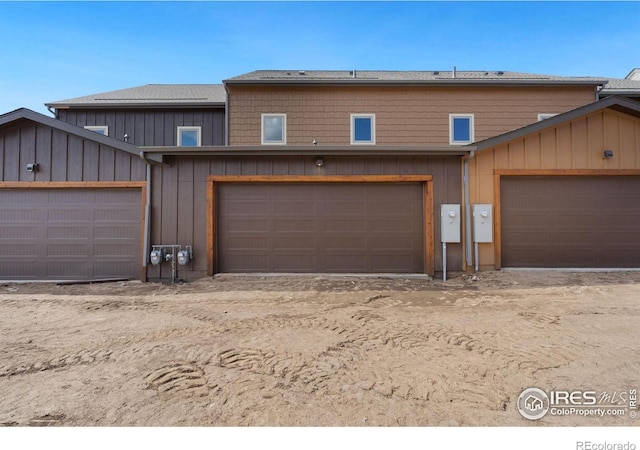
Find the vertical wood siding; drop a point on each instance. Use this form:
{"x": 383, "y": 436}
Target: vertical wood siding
{"x": 150, "y": 127}
{"x": 62, "y": 157}
{"x": 179, "y": 195}
{"x": 578, "y": 144}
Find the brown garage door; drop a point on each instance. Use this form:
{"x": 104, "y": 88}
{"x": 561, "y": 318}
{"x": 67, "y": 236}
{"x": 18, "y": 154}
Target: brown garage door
{"x": 58, "y": 234}
{"x": 320, "y": 227}
{"x": 572, "y": 221}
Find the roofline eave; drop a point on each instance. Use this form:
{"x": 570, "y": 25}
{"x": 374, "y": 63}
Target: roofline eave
{"x": 311, "y": 150}
{"x": 443, "y": 82}
{"x": 134, "y": 105}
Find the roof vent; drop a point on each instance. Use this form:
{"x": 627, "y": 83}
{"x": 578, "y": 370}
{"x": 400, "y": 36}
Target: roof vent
{"x": 353, "y": 73}
{"x": 436, "y": 72}
{"x": 453, "y": 74}
{"x": 500, "y": 72}
{"x": 302, "y": 72}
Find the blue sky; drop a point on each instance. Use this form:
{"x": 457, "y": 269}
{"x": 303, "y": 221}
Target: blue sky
{"x": 57, "y": 50}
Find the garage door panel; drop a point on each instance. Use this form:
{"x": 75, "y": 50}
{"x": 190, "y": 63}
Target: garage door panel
{"x": 292, "y": 208}
{"x": 339, "y": 208}
{"x": 322, "y": 227}
{"x": 570, "y": 221}
{"x": 294, "y": 225}
{"x": 52, "y": 234}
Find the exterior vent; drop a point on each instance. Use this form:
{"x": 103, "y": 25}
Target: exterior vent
{"x": 302, "y": 72}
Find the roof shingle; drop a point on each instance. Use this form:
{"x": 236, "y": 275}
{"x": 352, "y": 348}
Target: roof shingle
{"x": 155, "y": 95}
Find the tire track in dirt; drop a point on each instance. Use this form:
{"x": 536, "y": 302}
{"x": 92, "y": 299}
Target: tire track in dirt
{"x": 183, "y": 377}
{"x": 81, "y": 357}
{"x": 361, "y": 339}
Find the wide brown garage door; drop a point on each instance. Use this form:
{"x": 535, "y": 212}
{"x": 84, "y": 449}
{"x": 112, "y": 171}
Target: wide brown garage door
{"x": 570, "y": 221}
{"x": 58, "y": 234}
{"x": 320, "y": 227}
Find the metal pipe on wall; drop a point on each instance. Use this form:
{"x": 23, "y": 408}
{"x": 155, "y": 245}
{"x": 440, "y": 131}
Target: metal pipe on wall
{"x": 467, "y": 210}
{"x": 147, "y": 213}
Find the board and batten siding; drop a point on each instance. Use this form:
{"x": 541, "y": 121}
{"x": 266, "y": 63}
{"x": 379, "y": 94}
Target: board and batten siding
{"x": 150, "y": 127}
{"x": 179, "y": 195}
{"x": 62, "y": 157}
{"x": 416, "y": 115}
{"x": 574, "y": 147}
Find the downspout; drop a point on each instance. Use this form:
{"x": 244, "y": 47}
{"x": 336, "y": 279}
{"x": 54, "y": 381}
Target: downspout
{"x": 467, "y": 211}
{"x": 147, "y": 216}
{"x": 53, "y": 111}
{"x": 226, "y": 115}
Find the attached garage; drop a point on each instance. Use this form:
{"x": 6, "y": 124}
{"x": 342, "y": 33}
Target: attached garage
{"x": 565, "y": 190}
{"x": 59, "y": 234}
{"x": 322, "y": 224}
{"x": 570, "y": 221}
{"x": 72, "y": 202}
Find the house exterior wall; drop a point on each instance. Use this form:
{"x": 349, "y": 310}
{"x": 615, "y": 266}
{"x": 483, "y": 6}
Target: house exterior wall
{"x": 179, "y": 195}
{"x": 62, "y": 157}
{"x": 577, "y": 145}
{"x": 150, "y": 127}
{"x": 404, "y": 115}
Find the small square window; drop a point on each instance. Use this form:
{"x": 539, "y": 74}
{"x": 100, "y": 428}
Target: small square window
{"x": 102, "y": 129}
{"x": 461, "y": 129}
{"x": 274, "y": 128}
{"x": 189, "y": 136}
{"x": 363, "y": 129}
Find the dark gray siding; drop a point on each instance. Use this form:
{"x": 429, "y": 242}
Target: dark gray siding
{"x": 150, "y": 127}
{"x": 62, "y": 157}
{"x": 179, "y": 195}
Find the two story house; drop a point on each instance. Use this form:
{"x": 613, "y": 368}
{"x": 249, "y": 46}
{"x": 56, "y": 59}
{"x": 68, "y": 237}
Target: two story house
{"x": 295, "y": 171}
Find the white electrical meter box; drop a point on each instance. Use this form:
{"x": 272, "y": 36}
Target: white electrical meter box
{"x": 482, "y": 223}
{"x": 450, "y": 223}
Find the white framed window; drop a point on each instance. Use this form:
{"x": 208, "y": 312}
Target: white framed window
{"x": 274, "y": 129}
{"x": 363, "y": 129}
{"x": 100, "y": 129}
{"x": 189, "y": 136}
{"x": 461, "y": 129}
{"x": 542, "y": 116}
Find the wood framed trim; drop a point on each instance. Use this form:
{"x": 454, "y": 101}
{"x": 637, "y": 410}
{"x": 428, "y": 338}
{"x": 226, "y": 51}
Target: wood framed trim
{"x": 142, "y": 185}
{"x": 429, "y": 232}
{"x": 211, "y": 225}
{"x": 497, "y": 227}
{"x": 498, "y": 173}
{"x": 72, "y": 184}
{"x": 566, "y": 172}
{"x": 429, "y": 238}
{"x": 319, "y": 178}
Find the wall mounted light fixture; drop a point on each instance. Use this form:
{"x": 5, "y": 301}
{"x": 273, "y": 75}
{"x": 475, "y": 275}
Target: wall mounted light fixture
{"x": 608, "y": 153}
{"x": 319, "y": 162}
{"x": 32, "y": 167}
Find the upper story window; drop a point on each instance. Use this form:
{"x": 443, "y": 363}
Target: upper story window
{"x": 101, "y": 129}
{"x": 189, "y": 136}
{"x": 543, "y": 116}
{"x": 363, "y": 128}
{"x": 461, "y": 129}
{"x": 274, "y": 128}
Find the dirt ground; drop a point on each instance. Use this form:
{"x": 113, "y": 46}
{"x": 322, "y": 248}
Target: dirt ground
{"x": 315, "y": 351}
